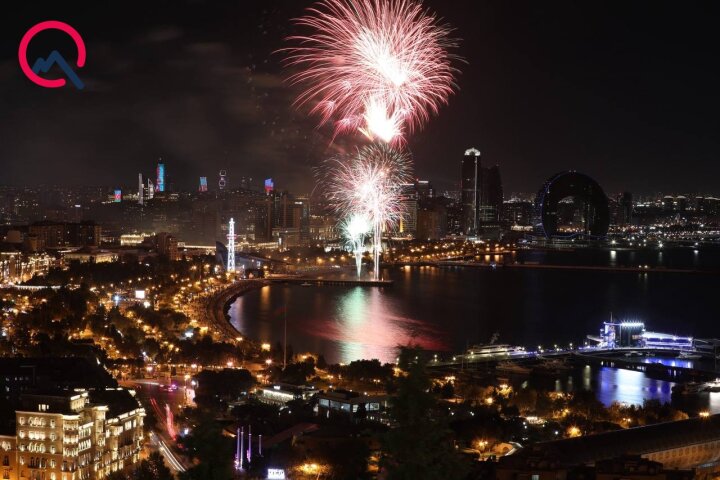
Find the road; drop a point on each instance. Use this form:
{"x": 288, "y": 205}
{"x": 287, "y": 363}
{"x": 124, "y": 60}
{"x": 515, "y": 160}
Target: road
{"x": 156, "y": 395}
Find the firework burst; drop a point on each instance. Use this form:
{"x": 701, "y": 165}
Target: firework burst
{"x": 355, "y": 230}
{"x": 368, "y": 183}
{"x": 380, "y": 67}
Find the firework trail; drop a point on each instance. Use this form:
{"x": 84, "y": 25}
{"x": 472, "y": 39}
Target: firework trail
{"x": 355, "y": 229}
{"x": 379, "y": 67}
{"x": 368, "y": 183}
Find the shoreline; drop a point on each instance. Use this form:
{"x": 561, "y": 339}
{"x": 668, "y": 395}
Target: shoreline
{"x": 600, "y": 268}
{"x": 219, "y": 305}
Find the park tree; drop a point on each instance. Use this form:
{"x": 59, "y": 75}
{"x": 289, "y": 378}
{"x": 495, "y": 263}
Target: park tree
{"x": 212, "y": 450}
{"x": 421, "y": 445}
{"x": 152, "y": 468}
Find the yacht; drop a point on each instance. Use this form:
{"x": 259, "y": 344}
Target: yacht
{"x": 494, "y": 350}
{"x": 688, "y": 355}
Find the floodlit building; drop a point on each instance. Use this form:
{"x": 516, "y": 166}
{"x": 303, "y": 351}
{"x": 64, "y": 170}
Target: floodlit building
{"x": 90, "y": 255}
{"x": 69, "y": 435}
{"x": 280, "y": 394}
{"x": 353, "y": 405}
{"x": 632, "y": 334}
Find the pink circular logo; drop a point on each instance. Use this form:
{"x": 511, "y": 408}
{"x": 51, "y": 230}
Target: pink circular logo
{"x": 44, "y": 64}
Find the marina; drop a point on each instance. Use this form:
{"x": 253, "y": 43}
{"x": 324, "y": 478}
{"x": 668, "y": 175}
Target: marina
{"x": 620, "y": 345}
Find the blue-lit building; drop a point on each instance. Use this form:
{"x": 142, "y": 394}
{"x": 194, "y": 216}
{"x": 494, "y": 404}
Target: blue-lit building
{"x": 632, "y": 334}
{"x": 160, "y": 178}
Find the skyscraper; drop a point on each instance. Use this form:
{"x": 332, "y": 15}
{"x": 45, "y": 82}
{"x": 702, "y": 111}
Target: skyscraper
{"x": 222, "y": 179}
{"x": 409, "y": 203}
{"x": 150, "y": 189}
{"x": 203, "y": 185}
{"x": 481, "y": 194}
{"x": 141, "y": 189}
{"x": 491, "y": 196}
{"x": 160, "y": 178}
{"x": 470, "y": 191}
{"x": 626, "y": 208}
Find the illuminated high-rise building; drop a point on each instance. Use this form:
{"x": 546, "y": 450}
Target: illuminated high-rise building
{"x": 222, "y": 180}
{"x": 73, "y": 434}
{"x": 231, "y": 246}
{"x": 424, "y": 189}
{"x": 141, "y": 189}
{"x": 491, "y": 196}
{"x": 481, "y": 194}
{"x": 269, "y": 186}
{"x": 409, "y": 203}
{"x": 470, "y": 191}
{"x": 160, "y": 178}
{"x": 150, "y": 189}
{"x": 203, "y": 185}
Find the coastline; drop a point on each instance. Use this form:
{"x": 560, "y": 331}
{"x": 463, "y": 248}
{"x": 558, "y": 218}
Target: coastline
{"x": 219, "y": 305}
{"x": 602, "y": 268}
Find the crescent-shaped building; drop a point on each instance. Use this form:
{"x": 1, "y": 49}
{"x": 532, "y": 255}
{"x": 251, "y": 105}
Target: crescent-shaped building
{"x": 585, "y": 191}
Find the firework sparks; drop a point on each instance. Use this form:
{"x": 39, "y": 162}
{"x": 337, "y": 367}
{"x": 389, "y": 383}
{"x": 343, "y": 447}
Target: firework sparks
{"x": 380, "y": 67}
{"x": 355, "y": 229}
{"x": 368, "y": 183}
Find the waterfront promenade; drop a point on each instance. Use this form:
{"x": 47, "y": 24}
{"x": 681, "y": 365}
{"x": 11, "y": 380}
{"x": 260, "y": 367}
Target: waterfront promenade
{"x": 597, "y": 268}
{"x": 214, "y": 309}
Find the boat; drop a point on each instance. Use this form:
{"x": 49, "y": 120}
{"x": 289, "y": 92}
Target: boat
{"x": 634, "y": 354}
{"x": 687, "y": 355}
{"x": 713, "y": 387}
{"x": 688, "y": 388}
{"x": 494, "y": 350}
{"x": 512, "y": 368}
{"x": 552, "y": 366}
{"x": 306, "y": 284}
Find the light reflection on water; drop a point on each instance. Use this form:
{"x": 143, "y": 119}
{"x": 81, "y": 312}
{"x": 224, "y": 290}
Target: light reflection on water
{"x": 670, "y": 362}
{"x": 344, "y": 324}
{"x": 611, "y": 385}
{"x": 447, "y": 309}
{"x": 629, "y": 386}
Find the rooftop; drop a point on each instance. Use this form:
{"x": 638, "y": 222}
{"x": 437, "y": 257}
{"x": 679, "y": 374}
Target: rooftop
{"x": 632, "y": 441}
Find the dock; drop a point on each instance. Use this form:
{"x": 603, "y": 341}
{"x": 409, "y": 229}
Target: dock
{"x": 578, "y": 358}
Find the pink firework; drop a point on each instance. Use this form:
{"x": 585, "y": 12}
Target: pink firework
{"x": 380, "y": 67}
{"x": 368, "y": 184}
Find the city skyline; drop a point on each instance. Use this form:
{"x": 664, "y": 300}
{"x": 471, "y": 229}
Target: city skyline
{"x": 359, "y": 239}
{"x": 209, "y": 94}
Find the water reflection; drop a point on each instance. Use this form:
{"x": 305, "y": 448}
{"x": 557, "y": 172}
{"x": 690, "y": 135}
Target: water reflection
{"x": 630, "y": 387}
{"x": 345, "y": 324}
{"x": 447, "y": 309}
{"x": 670, "y": 362}
{"x": 714, "y": 402}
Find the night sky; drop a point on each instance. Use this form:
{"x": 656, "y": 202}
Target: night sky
{"x": 628, "y": 92}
